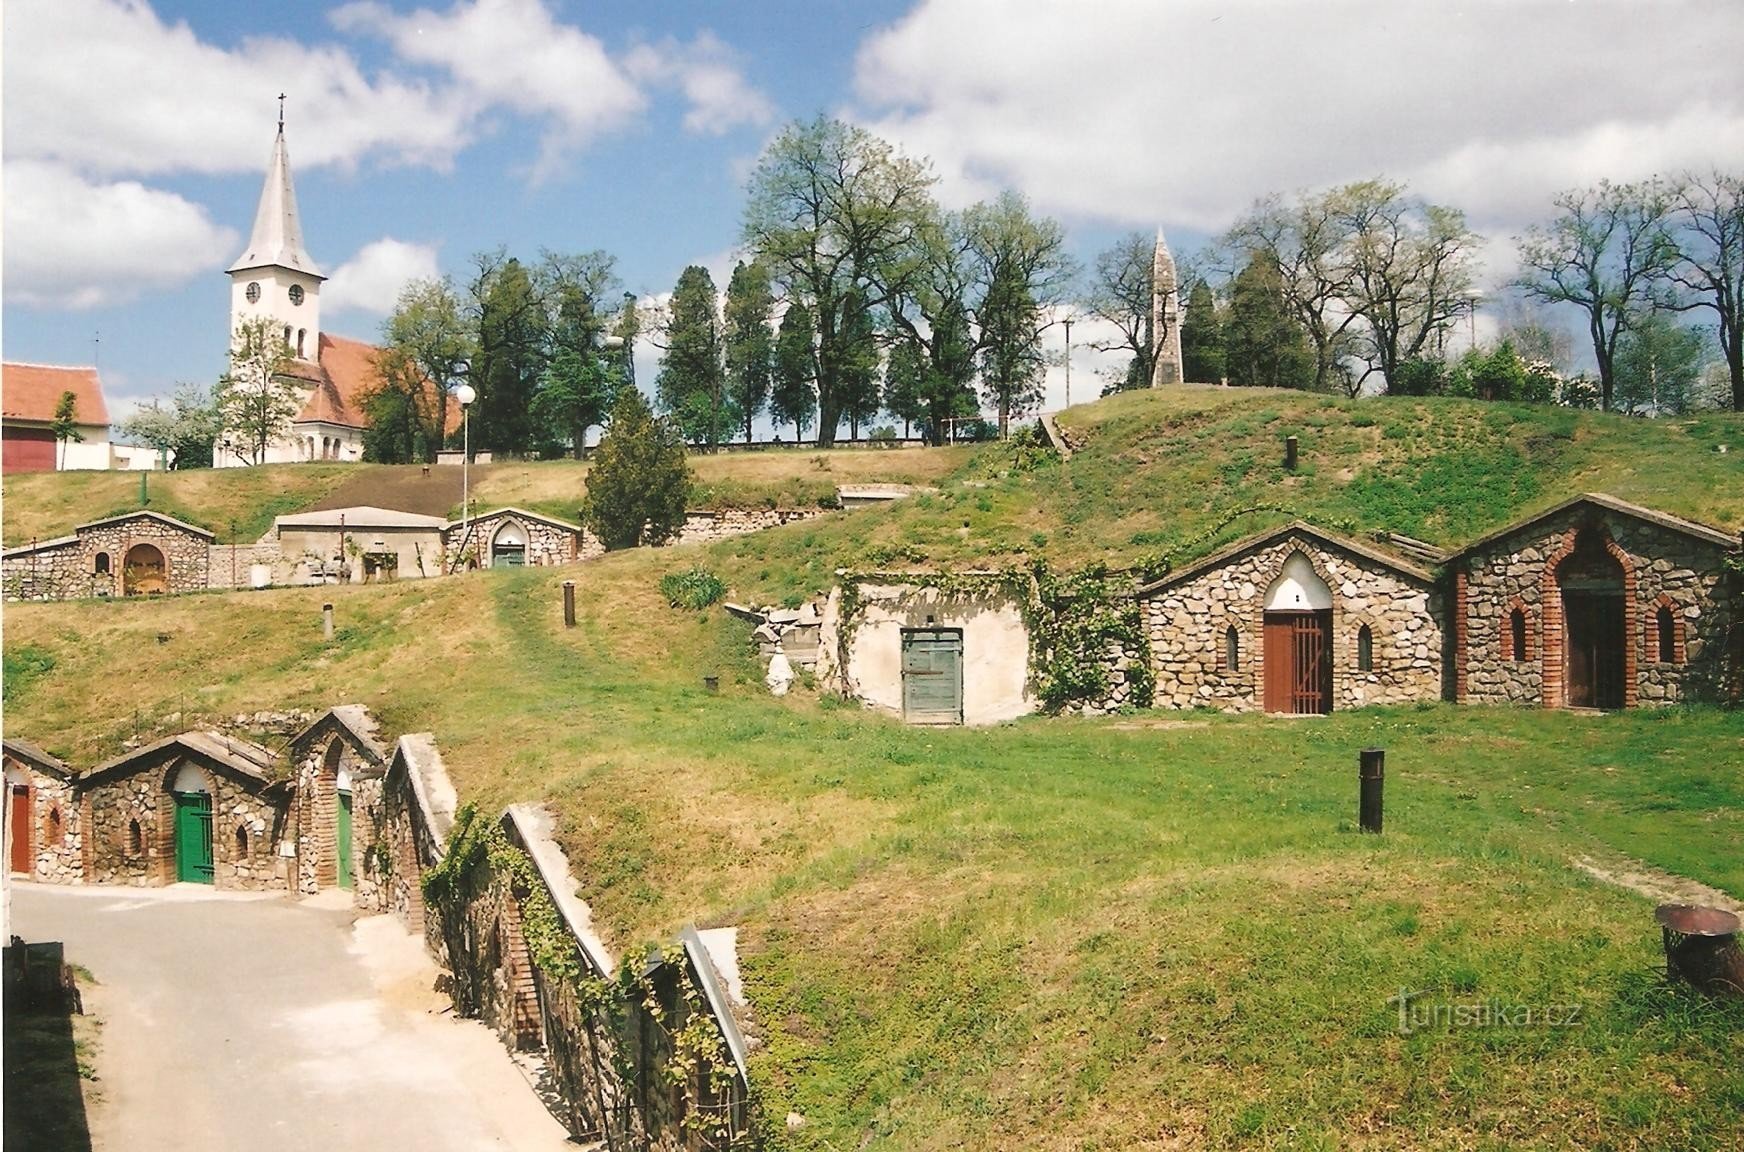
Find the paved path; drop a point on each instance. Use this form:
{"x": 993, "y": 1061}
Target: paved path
{"x": 238, "y": 1021}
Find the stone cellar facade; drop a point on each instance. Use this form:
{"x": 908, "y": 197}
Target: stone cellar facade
{"x": 138, "y": 554}
{"x": 44, "y": 829}
{"x": 1296, "y": 620}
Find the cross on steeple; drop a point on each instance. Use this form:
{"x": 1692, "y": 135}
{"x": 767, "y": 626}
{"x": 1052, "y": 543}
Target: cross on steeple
{"x": 281, "y": 111}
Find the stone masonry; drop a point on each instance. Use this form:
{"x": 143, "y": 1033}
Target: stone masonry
{"x": 94, "y": 561}
{"x": 1665, "y": 564}
{"x": 1189, "y": 614}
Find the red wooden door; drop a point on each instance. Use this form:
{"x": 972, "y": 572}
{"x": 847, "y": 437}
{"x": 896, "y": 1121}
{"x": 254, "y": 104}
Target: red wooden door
{"x": 18, "y": 834}
{"x": 1596, "y": 631}
{"x": 1298, "y": 662}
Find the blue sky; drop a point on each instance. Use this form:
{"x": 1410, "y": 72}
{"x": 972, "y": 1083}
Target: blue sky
{"x": 136, "y": 133}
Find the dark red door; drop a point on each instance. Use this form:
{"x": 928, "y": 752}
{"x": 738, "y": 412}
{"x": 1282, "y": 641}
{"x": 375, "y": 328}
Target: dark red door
{"x": 1298, "y": 654}
{"x": 27, "y": 450}
{"x": 18, "y": 830}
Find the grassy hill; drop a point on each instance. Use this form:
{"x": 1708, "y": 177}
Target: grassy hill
{"x": 1155, "y": 931}
{"x": 47, "y": 504}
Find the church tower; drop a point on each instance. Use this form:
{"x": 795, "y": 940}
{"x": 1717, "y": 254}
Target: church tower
{"x": 1166, "y": 367}
{"x": 274, "y": 278}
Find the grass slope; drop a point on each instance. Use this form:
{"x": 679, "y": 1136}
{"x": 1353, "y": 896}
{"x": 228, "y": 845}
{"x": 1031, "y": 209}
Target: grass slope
{"x": 1126, "y": 932}
{"x": 1160, "y": 474}
{"x": 48, "y": 504}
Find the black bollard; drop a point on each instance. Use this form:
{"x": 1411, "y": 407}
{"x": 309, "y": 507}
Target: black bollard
{"x": 1289, "y": 453}
{"x": 569, "y": 603}
{"x": 1371, "y": 772}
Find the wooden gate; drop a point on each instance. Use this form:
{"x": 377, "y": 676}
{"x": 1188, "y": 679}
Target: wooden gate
{"x": 932, "y": 675}
{"x": 194, "y": 837}
{"x": 20, "y": 857}
{"x": 1596, "y": 629}
{"x": 1298, "y": 657}
{"x": 343, "y": 836}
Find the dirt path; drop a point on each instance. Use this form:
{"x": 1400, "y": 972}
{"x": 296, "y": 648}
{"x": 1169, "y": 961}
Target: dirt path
{"x": 403, "y": 488}
{"x": 1655, "y": 884}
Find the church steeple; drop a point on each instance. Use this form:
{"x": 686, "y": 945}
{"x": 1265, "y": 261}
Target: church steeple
{"x": 277, "y": 238}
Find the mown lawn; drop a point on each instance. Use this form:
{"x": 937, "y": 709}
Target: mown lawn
{"x": 1159, "y": 930}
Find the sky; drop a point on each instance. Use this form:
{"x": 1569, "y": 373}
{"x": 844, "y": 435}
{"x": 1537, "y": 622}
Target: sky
{"x": 136, "y": 133}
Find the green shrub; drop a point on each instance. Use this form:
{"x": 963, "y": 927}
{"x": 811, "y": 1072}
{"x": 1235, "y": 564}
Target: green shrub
{"x": 693, "y": 588}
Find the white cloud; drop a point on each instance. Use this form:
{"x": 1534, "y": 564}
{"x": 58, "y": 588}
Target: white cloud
{"x": 371, "y": 280}
{"x": 71, "y": 243}
{"x": 146, "y": 97}
{"x": 1129, "y": 112}
{"x": 513, "y": 54}
{"x": 706, "y": 70}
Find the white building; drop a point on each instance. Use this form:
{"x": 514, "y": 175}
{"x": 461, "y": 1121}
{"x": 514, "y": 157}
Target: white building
{"x": 275, "y": 279}
{"x": 29, "y": 395}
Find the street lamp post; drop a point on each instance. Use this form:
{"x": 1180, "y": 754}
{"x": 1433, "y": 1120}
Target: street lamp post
{"x": 1067, "y": 321}
{"x": 466, "y": 394}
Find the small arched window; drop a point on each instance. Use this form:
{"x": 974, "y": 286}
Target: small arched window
{"x": 1667, "y": 627}
{"x": 1231, "y": 649}
{"x": 54, "y": 825}
{"x": 287, "y": 335}
{"x": 241, "y": 842}
{"x": 1365, "y": 649}
{"x": 1517, "y": 634}
{"x": 100, "y": 566}
{"x": 301, "y": 332}
{"x": 135, "y": 841}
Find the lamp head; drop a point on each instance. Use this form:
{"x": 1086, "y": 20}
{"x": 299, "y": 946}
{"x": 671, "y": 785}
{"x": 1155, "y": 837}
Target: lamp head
{"x": 466, "y": 394}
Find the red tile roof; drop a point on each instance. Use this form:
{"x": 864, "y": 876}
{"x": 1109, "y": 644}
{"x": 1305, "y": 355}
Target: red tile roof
{"x": 344, "y": 377}
{"x": 31, "y": 391}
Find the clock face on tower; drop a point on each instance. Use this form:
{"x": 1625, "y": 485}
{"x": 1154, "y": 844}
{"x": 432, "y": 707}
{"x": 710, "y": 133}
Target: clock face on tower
{"x": 296, "y": 293}
{"x": 253, "y": 293}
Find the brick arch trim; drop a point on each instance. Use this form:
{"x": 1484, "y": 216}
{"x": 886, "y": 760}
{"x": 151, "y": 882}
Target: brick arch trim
{"x": 1650, "y": 630}
{"x": 1534, "y": 641}
{"x": 1554, "y": 632}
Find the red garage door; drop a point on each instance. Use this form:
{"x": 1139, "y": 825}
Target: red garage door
{"x": 27, "y": 450}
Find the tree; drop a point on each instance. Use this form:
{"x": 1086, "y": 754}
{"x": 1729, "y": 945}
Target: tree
{"x": 1021, "y": 269}
{"x": 1120, "y": 293}
{"x": 749, "y": 342}
{"x": 1307, "y": 244}
{"x": 621, "y": 357}
{"x": 1202, "y": 351}
{"x": 256, "y": 400}
{"x": 905, "y": 381}
{"x": 1608, "y": 254}
{"x": 858, "y": 366}
{"x": 793, "y": 399}
{"x": 1410, "y": 271}
{"x": 692, "y": 384}
{"x": 1011, "y": 348}
{"x": 1265, "y": 343}
{"x": 1707, "y": 265}
{"x": 395, "y": 432}
{"x": 640, "y": 480}
{"x": 576, "y": 393}
{"x": 512, "y": 329}
{"x": 425, "y": 344}
{"x": 832, "y": 209}
{"x": 1658, "y": 364}
{"x": 932, "y": 309}
{"x": 65, "y": 425}
{"x": 183, "y": 433}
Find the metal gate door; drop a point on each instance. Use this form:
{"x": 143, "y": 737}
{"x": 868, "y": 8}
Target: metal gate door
{"x": 932, "y": 675}
{"x": 1298, "y": 656}
{"x": 194, "y": 837}
{"x": 343, "y": 834}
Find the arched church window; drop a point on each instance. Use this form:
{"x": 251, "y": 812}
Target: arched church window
{"x": 301, "y": 332}
{"x": 287, "y": 335}
{"x": 1365, "y": 649}
{"x": 1231, "y": 649}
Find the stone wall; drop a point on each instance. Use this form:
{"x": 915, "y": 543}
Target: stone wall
{"x": 56, "y": 824}
{"x": 1189, "y": 621}
{"x": 702, "y": 527}
{"x": 1661, "y": 567}
{"x": 548, "y": 544}
{"x": 93, "y": 561}
{"x": 248, "y": 825}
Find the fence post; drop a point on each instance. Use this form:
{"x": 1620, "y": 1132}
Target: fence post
{"x": 569, "y": 603}
{"x": 327, "y": 621}
{"x": 1371, "y": 773}
{"x": 1290, "y": 446}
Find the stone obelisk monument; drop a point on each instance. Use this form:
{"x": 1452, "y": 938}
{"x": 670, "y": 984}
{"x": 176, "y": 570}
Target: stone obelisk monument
{"x": 1165, "y": 318}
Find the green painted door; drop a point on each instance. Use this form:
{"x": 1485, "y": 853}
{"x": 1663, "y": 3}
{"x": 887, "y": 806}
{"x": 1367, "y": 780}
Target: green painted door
{"x": 194, "y": 837}
{"x": 932, "y": 675}
{"x": 344, "y": 833}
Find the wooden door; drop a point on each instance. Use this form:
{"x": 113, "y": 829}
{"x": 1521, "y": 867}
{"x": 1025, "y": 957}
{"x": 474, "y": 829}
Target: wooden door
{"x": 1596, "y": 632}
{"x": 20, "y": 856}
{"x": 932, "y": 675}
{"x": 1298, "y": 657}
{"x": 194, "y": 837}
{"x": 343, "y": 833}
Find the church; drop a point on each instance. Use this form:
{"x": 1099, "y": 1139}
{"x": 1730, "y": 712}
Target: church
{"x": 276, "y": 280}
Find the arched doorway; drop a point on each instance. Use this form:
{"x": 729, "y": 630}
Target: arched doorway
{"x": 509, "y": 546}
{"x": 342, "y": 828}
{"x": 192, "y": 794}
{"x": 1298, "y": 640}
{"x": 20, "y": 852}
{"x": 144, "y": 572}
{"x": 1595, "y": 624}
